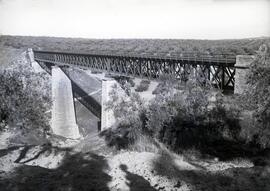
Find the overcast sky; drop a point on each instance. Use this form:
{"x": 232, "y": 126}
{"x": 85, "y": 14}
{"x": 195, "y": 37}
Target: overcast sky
{"x": 199, "y": 19}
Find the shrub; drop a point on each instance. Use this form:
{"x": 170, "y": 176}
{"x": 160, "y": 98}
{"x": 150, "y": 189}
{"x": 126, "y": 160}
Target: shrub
{"x": 143, "y": 86}
{"x": 167, "y": 82}
{"x": 159, "y": 89}
{"x": 131, "y": 81}
{"x": 125, "y": 82}
{"x": 185, "y": 120}
{"x": 25, "y": 98}
{"x": 128, "y": 111}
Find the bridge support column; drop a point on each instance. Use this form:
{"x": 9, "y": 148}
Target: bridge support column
{"x": 107, "y": 115}
{"x": 241, "y": 70}
{"x": 63, "y": 112}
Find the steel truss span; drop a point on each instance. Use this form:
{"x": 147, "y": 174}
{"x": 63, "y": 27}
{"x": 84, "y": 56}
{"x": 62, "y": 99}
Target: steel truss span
{"x": 219, "y": 70}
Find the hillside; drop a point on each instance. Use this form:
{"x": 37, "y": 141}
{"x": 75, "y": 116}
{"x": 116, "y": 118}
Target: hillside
{"x": 8, "y": 55}
{"x": 160, "y": 47}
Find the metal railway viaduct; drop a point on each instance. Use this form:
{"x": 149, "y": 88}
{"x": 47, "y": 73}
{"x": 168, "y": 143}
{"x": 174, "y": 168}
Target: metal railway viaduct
{"x": 224, "y": 72}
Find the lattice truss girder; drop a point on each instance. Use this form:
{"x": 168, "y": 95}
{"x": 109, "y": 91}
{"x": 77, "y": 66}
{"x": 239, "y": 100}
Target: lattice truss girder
{"x": 221, "y": 75}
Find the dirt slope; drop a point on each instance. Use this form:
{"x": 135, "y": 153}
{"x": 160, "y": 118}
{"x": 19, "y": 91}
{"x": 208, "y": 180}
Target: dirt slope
{"x": 89, "y": 164}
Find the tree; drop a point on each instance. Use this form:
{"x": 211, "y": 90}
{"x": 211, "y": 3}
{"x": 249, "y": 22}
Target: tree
{"x": 128, "y": 109}
{"x": 258, "y": 96}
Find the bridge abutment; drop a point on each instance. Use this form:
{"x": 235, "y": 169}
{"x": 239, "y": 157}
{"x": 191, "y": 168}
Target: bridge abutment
{"x": 63, "y": 111}
{"x": 34, "y": 64}
{"x": 241, "y": 70}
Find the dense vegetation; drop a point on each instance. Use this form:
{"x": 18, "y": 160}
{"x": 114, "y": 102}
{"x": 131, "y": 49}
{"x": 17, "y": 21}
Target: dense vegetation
{"x": 258, "y": 97}
{"x": 25, "y": 99}
{"x": 200, "y": 118}
{"x": 161, "y": 47}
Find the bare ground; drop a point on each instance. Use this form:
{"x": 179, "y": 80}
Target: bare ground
{"x": 89, "y": 164}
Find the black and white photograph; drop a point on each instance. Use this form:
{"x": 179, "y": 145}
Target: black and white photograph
{"x": 134, "y": 95}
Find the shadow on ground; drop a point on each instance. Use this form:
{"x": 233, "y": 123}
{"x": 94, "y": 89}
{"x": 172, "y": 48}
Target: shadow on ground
{"x": 136, "y": 182}
{"x": 221, "y": 136}
{"x": 76, "y": 172}
{"x": 4, "y": 152}
{"x": 240, "y": 179}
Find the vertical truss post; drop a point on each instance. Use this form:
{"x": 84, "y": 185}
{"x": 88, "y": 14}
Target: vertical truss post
{"x": 223, "y": 78}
